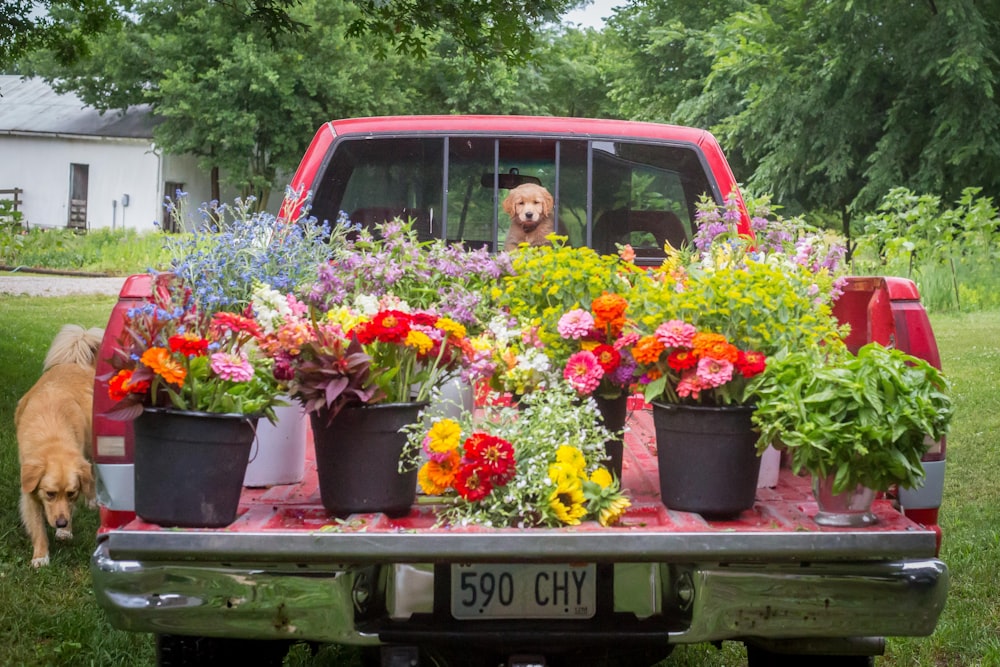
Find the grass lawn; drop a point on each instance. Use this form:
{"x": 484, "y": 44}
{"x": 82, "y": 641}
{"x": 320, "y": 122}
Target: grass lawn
{"x": 49, "y": 616}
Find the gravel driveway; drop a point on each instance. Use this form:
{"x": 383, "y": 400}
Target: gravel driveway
{"x": 36, "y": 284}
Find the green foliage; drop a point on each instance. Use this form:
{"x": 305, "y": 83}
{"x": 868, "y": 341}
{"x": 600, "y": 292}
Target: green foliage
{"x": 118, "y": 252}
{"x": 549, "y": 281}
{"x": 863, "y": 418}
{"x": 827, "y": 105}
{"x": 950, "y": 252}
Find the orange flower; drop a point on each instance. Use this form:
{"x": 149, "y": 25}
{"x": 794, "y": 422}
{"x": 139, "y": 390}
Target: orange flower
{"x": 436, "y": 476}
{"x": 715, "y": 346}
{"x": 609, "y": 312}
{"x": 160, "y": 362}
{"x": 647, "y": 350}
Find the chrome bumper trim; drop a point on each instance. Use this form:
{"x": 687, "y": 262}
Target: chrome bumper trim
{"x": 323, "y": 602}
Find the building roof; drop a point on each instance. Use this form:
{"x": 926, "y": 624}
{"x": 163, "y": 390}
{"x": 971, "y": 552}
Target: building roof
{"x": 31, "y": 106}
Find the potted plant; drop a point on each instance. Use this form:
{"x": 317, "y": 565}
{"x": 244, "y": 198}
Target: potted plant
{"x": 226, "y": 250}
{"x": 859, "y": 423}
{"x": 699, "y": 385}
{"x": 602, "y": 366}
{"x": 196, "y": 385}
{"x": 361, "y": 377}
{"x": 538, "y": 465}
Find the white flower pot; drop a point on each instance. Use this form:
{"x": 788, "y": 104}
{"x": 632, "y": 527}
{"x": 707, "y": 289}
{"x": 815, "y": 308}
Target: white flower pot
{"x": 770, "y": 463}
{"x": 279, "y": 452}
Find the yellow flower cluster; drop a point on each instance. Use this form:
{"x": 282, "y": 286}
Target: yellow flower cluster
{"x": 576, "y": 495}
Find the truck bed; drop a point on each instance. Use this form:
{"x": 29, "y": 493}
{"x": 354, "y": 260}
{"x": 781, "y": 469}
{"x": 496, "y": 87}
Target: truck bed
{"x": 289, "y": 524}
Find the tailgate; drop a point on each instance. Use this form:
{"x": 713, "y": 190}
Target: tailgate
{"x": 287, "y": 524}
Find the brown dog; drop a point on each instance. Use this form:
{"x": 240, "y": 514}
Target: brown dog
{"x": 53, "y": 422}
{"x": 530, "y": 209}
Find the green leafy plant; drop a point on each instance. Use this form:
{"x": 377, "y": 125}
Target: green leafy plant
{"x": 867, "y": 419}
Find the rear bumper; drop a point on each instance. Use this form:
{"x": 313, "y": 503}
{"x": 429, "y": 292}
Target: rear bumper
{"x": 649, "y": 603}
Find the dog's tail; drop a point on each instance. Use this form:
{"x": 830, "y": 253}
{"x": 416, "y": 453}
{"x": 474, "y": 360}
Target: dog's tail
{"x": 74, "y": 345}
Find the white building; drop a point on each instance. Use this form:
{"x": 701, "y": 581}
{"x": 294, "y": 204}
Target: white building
{"x": 79, "y": 168}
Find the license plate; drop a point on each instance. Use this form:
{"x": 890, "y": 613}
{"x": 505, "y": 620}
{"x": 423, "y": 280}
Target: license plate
{"x": 488, "y": 591}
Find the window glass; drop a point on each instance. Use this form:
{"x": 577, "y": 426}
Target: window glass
{"x": 378, "y": 180}
{"x": 643, "y": 194}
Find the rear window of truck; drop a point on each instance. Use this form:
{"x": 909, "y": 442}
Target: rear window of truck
{"x": 607, "y": 191}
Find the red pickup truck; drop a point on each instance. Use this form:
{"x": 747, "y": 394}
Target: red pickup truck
{"x": 286, "y": 572}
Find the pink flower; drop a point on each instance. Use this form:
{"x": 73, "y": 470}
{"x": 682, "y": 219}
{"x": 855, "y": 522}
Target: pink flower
{"x": 689, "y": 386}
{"x": 675, "y": 333}
{"x": 576, "y": 324}
{"x": 233, "y": 367}
{"x": 714, "y": 372}
{"x": 583, "y": 372}
{"x": 627, "y": 340}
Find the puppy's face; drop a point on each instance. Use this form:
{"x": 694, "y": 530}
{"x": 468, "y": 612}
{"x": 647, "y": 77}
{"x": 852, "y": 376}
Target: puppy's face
{"x": 57, "y": 484}
{"x": 527, "y": 205}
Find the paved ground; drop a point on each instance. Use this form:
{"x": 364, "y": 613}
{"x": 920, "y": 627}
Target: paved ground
{"x": 34, "y": 284}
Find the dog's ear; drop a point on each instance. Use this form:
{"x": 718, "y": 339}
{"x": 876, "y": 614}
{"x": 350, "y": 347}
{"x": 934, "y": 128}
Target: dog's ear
{"x": 548, "y": 203}
{"x": 31, "y": 474}
{"x": 508, "y": 203}
{"x": 86, "y": 479}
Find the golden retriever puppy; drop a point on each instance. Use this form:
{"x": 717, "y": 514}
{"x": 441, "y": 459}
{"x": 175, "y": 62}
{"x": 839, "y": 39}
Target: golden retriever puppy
{"x": 53, "y": 423}
{"x": 530, "y": 209}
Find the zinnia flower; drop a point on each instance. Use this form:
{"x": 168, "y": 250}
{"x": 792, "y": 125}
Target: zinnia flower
{"x": 224, "y": 321}
{"x": 714, "y": 372}
{"x": 571, "y": 456}
{"x": 158, "y": 360}
{"x": 575, "y": 324}
{"x": 750, "y": 364}
{"x": 681, "y": 360}
{"x": 442, "y": 438}
{"x": 647, "y": 350}
{"x": 472, "y": 483}
{"x": 689, "y": 386}
{"x": 232, "y": 367}
{"x": 675, "y": 333}
{"x": 583, "y": 372}
{"x": 493, "y": 455}
{"x": 116, "y": 385}
{"x": 436, "y": 476}
{"x": 189, "y": 344}
{"x": 607, "y": 356}
{"x": 609, "y": 312}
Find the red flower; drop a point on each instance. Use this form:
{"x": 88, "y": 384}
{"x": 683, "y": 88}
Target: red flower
{"x": 493, "y": 455}
{"x": 750, "y": 364}
{"x": 681, "y": 359}
{"x": 472, "y": 483}
{"x": 188, "y": 344}
{"x": 607, "y": 356}
{"x": 116, "y": 385}
{"x": 388, "y": 326}
{"x": 223, "y": 321}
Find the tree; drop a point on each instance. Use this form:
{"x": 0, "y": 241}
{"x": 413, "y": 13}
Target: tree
{"x": 830, "y": 105}
{"x": 245, "y": 101}
{"x": 485, "y": 29}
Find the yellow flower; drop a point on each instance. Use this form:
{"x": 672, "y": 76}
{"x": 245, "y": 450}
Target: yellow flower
{"x": 443, "y": 437}
{"x": 567, "y": 502}
{"x": 612, "y": 512}
{"x": 419, "y": 341}
{"x": 450, "y": 327}
{"x": 602, "y": 478}
{"x": 572, "y": 457}
{"x": 344, "y": 317}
